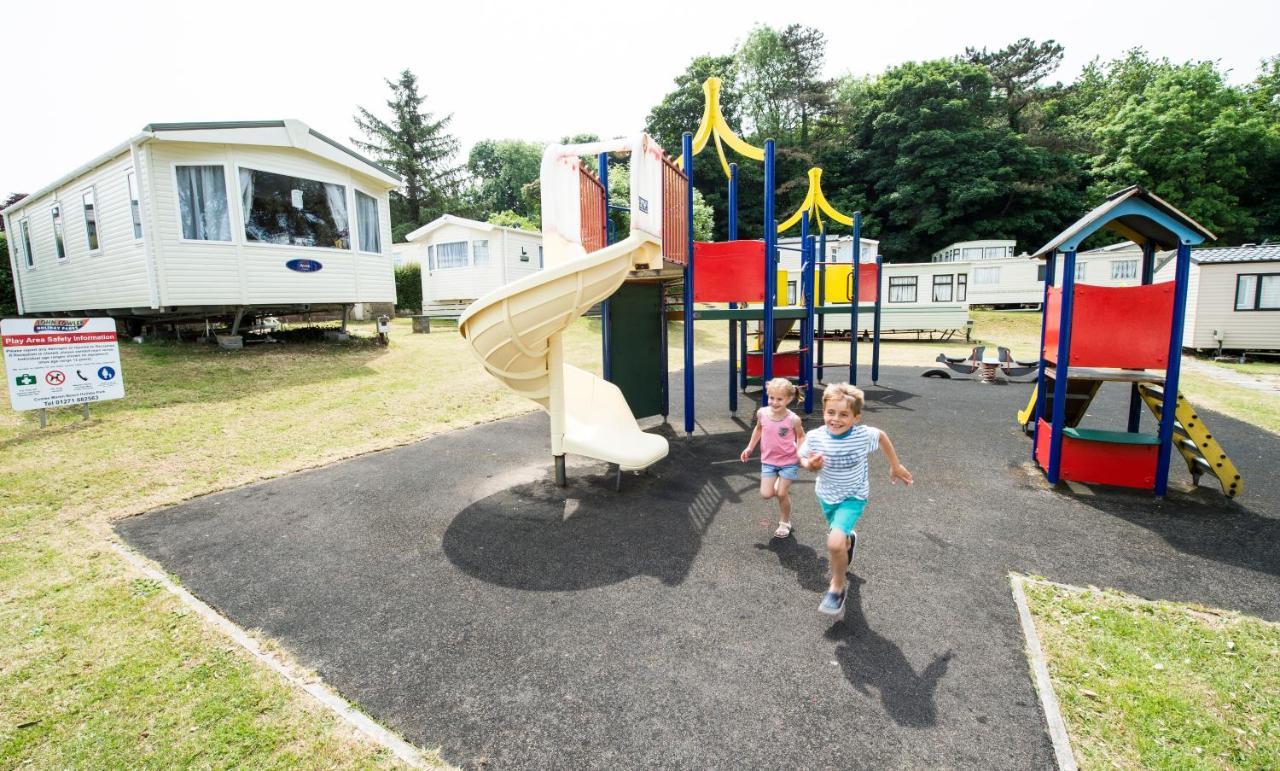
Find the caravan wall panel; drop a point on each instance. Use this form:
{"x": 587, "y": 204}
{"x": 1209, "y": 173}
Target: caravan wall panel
{"x": 113, "y": 276}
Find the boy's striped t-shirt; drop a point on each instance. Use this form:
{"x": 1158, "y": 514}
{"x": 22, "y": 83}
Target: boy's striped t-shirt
{"x": 844, "y": 469}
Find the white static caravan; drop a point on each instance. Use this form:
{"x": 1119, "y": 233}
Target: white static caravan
{"x": 463, "y": 259}
{"x": 1233, "y": 297}
{"x": 916, "y": 297}
{"x": 1019, "y": 280}
{"x": 193, "y": 220}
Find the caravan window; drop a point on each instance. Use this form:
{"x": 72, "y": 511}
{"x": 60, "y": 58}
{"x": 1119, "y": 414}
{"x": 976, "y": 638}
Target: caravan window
{"x": 1122, "y": 269}
{"x": 202, "y": 203}
{"x": 480, "y": 252}
{"x": 1082, "y": 268}
{"x": 986, "y": 276}
{"x": 451, "y": 255}
{"x": 90, "y": 220}
{"x": 962, "y": 288}
{"x": 993, "y": 252}
{"x": 59, "y": 245}
{"x": 25, "y": 242}
{"x": 902, "y": 289}
{"x": 1258, "y": 292}
{"x": 293, "y": 211}
{"x": 1041, "y": 270}
{"x": 791, "y": 293}
{"x": 134, "y": 206}
{"x": 367, "y": 217}
{"x": 942, "y": 288}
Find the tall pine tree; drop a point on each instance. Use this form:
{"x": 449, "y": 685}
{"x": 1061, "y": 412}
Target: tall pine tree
{"x": 418, "y": 147}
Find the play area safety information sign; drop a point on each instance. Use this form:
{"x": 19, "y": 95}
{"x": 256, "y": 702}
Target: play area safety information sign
{"x": 60, "y": 362}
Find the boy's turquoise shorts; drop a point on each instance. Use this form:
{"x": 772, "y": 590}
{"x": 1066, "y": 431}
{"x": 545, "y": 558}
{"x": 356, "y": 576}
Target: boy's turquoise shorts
{"x": 844, "y": 515}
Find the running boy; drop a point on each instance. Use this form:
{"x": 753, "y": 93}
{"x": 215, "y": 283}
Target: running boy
{"x": 838, "y": 452}
{"x": 778, "y": 432}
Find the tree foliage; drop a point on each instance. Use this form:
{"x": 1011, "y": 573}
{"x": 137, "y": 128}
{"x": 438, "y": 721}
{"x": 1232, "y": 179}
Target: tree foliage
{"x": 510, "y": 219}
{"x": 500, "y": 171}
{"x": 409, "y": 287}
{"x": 417, "y": 146}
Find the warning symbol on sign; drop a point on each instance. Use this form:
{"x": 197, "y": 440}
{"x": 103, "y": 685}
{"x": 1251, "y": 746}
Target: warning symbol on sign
{"x": 55, "y": 377}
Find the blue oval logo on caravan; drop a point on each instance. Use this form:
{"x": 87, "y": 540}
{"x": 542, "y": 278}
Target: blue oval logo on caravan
{"x": 304, "y": 266}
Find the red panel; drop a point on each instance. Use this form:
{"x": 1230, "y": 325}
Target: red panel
{"x": 785, "y": 364}
{"x": 868, "y": 282}
{"x": 1101, "y": 463}
{"x": 1114, "y": 326}
{"x": 728, "y": 271}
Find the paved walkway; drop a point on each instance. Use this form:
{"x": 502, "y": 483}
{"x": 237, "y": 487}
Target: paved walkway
{"x": 460, "y": 598}
{"x": 1269, "y": 384}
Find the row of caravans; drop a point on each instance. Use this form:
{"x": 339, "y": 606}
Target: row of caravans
{"x": 193, "y": 220}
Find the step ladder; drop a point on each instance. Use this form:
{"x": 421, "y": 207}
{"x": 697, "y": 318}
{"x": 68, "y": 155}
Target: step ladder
{"x": 1199, "y": 449}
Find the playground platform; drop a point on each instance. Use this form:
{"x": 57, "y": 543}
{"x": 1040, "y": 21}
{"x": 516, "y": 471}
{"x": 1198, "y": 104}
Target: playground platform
{"x": 459, "y": 597}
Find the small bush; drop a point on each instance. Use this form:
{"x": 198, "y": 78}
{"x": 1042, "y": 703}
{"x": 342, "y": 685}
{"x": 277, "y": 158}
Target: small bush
{"x": 409, "y": 288}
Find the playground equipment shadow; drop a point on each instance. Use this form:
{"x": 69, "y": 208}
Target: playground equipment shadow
{"x": 459, "y": 597}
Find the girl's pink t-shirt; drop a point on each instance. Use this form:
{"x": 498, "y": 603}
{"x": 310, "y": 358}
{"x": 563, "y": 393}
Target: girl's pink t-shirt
{"x": 778, "y": 439}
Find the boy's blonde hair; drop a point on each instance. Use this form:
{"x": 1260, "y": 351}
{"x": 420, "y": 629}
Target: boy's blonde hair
{"x": 782, "y": 384}
{"x": 850, "y": 395}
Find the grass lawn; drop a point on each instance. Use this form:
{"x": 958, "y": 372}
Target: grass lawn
{"x": 96, "y": 663}
{"x": 1157, "y": 684}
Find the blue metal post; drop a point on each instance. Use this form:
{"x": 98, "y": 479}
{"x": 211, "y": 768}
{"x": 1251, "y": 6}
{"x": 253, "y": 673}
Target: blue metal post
{"x": 821, "y": 300}
{"x": 770, "y": 267}
{"x": 1038, "y": 410}
{"x": 854, "y": 320}
{"x": 606, "y": 321}
{"x": 875, "y": 340}
{"x": 686, "y": 151}
{"x": 806, "y": 324}
{"x": 733, "y": 325}
{"x": 1148, "y": 276}
{"x": 1169, "y": 405}
{"x": 1062, "y": 369}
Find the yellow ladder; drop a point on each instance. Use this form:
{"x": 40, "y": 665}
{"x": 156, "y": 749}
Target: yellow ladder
{"x": 1199, "y": 449}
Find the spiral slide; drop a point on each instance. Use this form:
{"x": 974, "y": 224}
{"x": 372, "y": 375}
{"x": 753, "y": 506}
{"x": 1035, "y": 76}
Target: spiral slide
{"x": 516, "y": 330}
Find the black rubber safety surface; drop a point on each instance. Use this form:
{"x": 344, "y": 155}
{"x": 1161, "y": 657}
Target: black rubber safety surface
{"x": 454, "y": 593}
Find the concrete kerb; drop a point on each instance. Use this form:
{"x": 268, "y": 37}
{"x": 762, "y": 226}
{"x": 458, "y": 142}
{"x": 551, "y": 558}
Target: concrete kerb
{"x": 1044, "y": 686}
{"x": 323, "y": 694}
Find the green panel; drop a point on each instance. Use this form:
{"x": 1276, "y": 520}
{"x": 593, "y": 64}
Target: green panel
{"x": 1113, "y": 437}
{"x": 635, "y": 342}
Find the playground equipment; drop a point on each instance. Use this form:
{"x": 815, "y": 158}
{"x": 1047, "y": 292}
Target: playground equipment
{"x": 986, "y": 361}
{"x": 1080, "y": 351}
{"x": 726, "y": 272}
{"x": 516, "y": 330}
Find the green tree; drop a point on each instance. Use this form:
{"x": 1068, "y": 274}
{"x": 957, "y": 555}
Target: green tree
{"x": 510, "y": 219}
{"x": 940, "y": 167}
{"x": 409, "y": 287}
{"x": 1015, "y": 72}
{"x": 500, "y": 169}
{"x": 8, "y": 295}
{"x": 681, "y": 108}
{"x": 778, "y": 80}
{"x": 417, "y": 146}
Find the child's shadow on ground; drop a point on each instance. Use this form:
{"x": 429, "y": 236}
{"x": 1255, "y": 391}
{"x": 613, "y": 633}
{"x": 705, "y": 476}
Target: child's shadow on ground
{"x": 810, "y": 569}
{"x": 869, "y": 659}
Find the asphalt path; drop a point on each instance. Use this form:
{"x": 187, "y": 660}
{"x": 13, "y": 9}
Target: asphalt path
{"x": 454, "y": 593}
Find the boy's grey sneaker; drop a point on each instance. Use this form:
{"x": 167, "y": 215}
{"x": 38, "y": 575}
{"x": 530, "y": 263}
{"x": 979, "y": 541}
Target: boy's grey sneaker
{"x": 833, "y": 603}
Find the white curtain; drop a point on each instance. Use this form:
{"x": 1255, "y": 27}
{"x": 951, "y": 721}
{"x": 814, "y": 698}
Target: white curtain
{"x": 337, "y": 197}
{"x": 202, "y": 199}
{"x": 367, "y": 219}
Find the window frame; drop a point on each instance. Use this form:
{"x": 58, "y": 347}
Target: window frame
{"x": 1082, "y": 270}
{"x": 377, "y": 208}
{"x": 992, "y": 270}
{"x": 1257, "y": 294}
{"x": 791, "y": 293}
{"x": 131, "y": 188}
{"x": 962, "y": 288}
{"x": 346, "y": 184}
{"x": 915, "y": 288}
{"x": 177, "y": 205}
{"x": 24, "y": 242}
{"x": 1042, "y": 270}
{"x": 1128, "y": 262}
{"x": 950, "y": 284}
{"x": 466, "y": 255}
{"x": 97, "y": 220}
{"x": 488, "y": 254}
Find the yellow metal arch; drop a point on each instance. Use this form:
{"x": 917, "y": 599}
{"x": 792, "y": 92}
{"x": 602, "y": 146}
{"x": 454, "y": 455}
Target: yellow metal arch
{"x": 816, "y": 204}
{"x": 714, "y": 126}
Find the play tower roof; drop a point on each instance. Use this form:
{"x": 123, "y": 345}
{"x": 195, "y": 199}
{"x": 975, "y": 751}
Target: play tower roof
{"x": 1137, "y": 214}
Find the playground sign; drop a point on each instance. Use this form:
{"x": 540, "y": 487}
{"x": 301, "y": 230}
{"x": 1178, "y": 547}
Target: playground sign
{"x": 61, "y": 362}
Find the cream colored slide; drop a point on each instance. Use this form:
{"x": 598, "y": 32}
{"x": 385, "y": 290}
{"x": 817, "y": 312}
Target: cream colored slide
{"x": 516, "y": 329}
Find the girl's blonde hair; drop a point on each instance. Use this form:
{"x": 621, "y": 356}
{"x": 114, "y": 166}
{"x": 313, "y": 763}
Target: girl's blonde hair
{"x": 851, "y": 395}
{"x": 782, "y": 384}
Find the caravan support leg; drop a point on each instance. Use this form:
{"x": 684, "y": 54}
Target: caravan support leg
{"x": 235, "y": 325}
{"x": 346, "y": 309}
{"x": 560, "y": 476}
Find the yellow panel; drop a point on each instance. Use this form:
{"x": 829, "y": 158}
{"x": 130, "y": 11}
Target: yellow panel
{"x": 837, "y": 284}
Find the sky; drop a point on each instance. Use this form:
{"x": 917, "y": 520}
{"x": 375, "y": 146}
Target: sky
{"x": 503, "y": 70}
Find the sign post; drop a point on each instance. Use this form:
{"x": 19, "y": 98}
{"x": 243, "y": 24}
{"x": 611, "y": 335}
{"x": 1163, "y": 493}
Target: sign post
{"x": 61, "y": 362}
